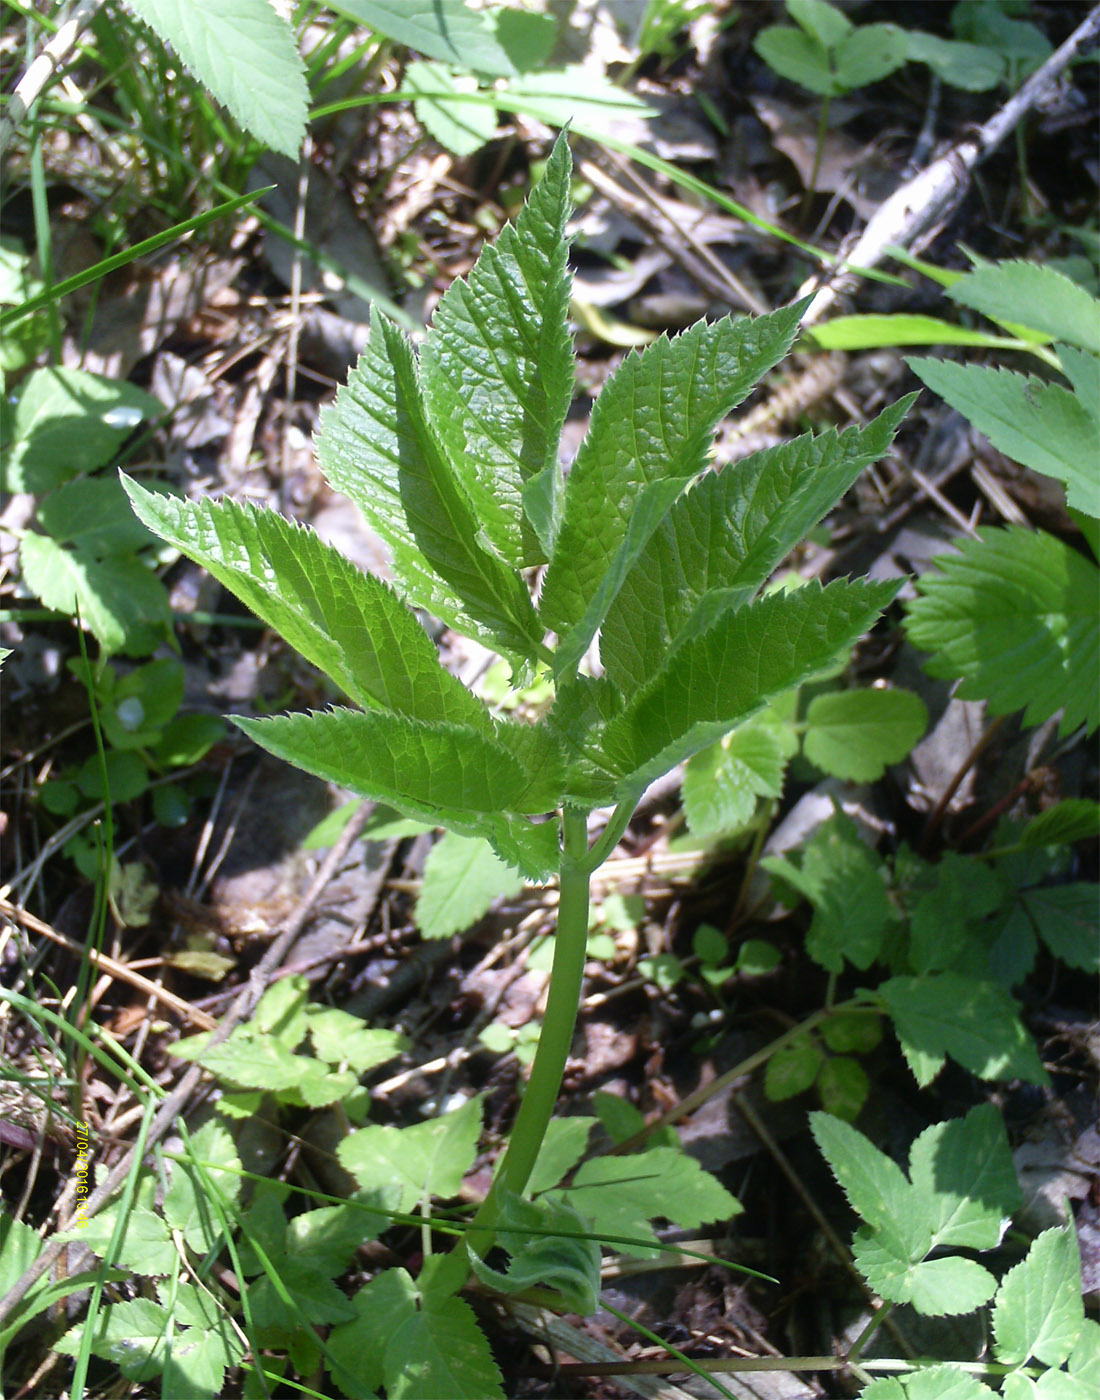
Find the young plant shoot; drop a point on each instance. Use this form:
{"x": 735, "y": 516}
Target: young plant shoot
{"x": 451, "y": 454}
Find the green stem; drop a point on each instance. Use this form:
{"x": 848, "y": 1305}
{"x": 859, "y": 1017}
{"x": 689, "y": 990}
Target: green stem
{"x": 556, "y": 1037}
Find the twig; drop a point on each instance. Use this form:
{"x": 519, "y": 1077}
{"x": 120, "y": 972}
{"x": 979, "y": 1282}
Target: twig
{"x": 119, "y": 971}
{"x": 44, "y": 67}
{"x": 241, "y": 1009}
{"x": 922, "y": 202}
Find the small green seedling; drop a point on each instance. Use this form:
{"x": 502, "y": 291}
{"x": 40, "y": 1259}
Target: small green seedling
{"x": 452, "y": 455}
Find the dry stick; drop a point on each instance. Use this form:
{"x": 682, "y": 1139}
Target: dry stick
{"x": 44, "y": 67}
{"x": 920, "y": 203}
{"x": 119, "y": 971}
{"x": 243, "y": 1007}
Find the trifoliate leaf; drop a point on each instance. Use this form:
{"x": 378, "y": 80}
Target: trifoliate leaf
{"x": 934, "y": 1287}
{"x": 348, "y": 623}
{"x": 963, "y": 1175}
{"x": 424, "y": 1159}
{"x": 845, "y": 882}
{"x": 876, "y": 1187}
{"x": 245, "y": 53}
{"x": 1040, "y": 424}
{"x": 1015, "y": 615}
{"x": 976, "y": 1023}
{"x": 1039, "y": 1313}
{"x": 652, "y": 422}
{"x": 723, "y": 539}
{"x": 857, "y": 734}
{"x": 497, "y": 371}
{"x": 339, "y": 1037}
{"x": 463, "y": 876}
{"x": 250, "y": 1059}
{"x": 722, "y": 782}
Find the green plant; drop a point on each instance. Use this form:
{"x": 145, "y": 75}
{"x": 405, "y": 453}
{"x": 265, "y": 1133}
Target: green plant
{"x": 453, "y": 458}
{"x": 959, "y": 1193}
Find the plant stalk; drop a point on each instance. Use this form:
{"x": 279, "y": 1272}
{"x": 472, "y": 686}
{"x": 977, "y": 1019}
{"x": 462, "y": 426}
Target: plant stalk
{"x": 548, "y": 1067}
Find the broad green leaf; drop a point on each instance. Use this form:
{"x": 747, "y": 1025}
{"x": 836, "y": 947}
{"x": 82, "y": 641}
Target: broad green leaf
{"x": 327, "y": 1237}
{"x": 578, "y": 96}
{"x": 652, "y": 422}
{"x": 722, "y": 540}
{"x": 314, "y": 1297}
{"x": 497, "y": 372}
{"x": 567, "y": 1260}
{"x": 798, "y": 57}
{"x": 857, "y": 734}
{"x": 121, "y": 602}
{"x": 426, "y": 1159}
{"x": 359, "y": 1346}
{"x": 376, "y": 446}
{"x": 245, "y": 53}
{"x": 870, "y": 53}
{"x": 528, "y": 38}
{"x": 1065, "y": 918}
{"x": 620, "y": 1194}
{"x": 93, "y": 514}
{"x": 340, "y": 1038}
{"x": 562, "y": 1148}
{"x": 445, "y": 775}
{"x": 976, "y": 1023}
{"x": 20, "y": 1246}
{"x": 1039, "y": 1313}
{"x": 146, "y": 1247}
{"x": 1083, "y": 372}
{"x": 934, "y": 1287}
{"x": 461, "y": 127}
{"x": 963, "y": 1174}
{"x": 187, "y": 1205}
{"x": 1029, "y": 294}
{"x": 1015, "y": 616}
{"x": 133, "y": 1334}
{"x": 443, "y": 29}
{"x": 876, "y": 1187}
{"x": 823, "y": 22}
{"x": 1042, "y": 425}
{"x": 463, "y": 875}
{"x": 929, "y": 1383}
{"x": 842, "y": 1087}
{"x": 720, "y": 677}
{"x": 869, "y": 332}
{"x": 1076, "y": 819}
{"x": 416, "y": 767}
{"x": 845, "y": 882}
{"x": 847, "y": 1031}
{"x": 1084, "y": 1362}
{"x": 250, "y": 1059}
{"x": 793, "y": 1069}
{"x": 971, "y": 67}
{"x": 346, "y": 622}
{"x": 67, "y": 421}
{"x": 944, "y": 906}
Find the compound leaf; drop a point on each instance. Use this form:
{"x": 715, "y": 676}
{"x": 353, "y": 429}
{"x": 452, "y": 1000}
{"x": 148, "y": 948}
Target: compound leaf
{"x": 1038, "y": 1312}
{"x": 653, "y": 421}
{"x": 722, "y": 782}
{"x": 935, "y": 1287}
{"x": 497, "y": 372}
{"x": 463, "y": 875}
{"x": 424, "y": 1159}
{"x": 857, "y": 734}
{"x": 245, "y": 53}
{"x": 718, "y": 678}
{"x": 121, "y": 602}
{"x": 346, "y": 622}
{"x": 1015, "y": 615}
{"x": 1042, "y": 425}
{"x": 962, "y": 1171}
{"x": 876, "y": 1187}
{"x": 976, "y": 1023}
{"x": 930, "y": 1383}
